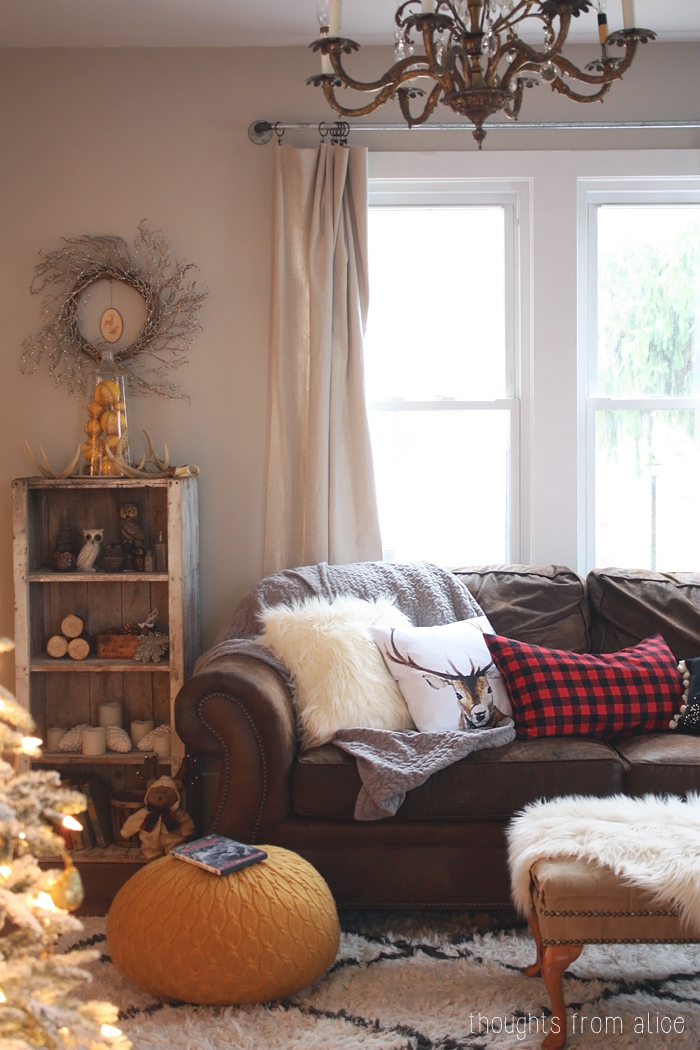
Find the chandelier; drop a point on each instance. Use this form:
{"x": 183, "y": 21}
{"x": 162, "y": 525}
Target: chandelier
{"x": 472, "y": 51}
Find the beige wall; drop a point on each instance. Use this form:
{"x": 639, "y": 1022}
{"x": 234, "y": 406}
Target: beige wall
{"x": 95, "y": 141}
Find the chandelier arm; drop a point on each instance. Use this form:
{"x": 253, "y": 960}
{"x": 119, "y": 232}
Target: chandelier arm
{"x": 614, "y": 72}
{"x": 563, "y": 89}
{"x": 404, "y": 69}
{"x": 359, "y": 111}
{"x": 428, "y": 109}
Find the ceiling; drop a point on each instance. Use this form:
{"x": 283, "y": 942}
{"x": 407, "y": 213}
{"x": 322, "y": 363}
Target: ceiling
{"x": 255, "y": 23}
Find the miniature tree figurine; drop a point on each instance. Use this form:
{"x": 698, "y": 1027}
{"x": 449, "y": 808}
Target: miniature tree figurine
{"x": 36, "y": 1009}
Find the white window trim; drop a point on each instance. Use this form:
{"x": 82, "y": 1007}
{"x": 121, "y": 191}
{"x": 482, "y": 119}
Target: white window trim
{"x": 514, "y": 197}
{"x": 592, "y": 193}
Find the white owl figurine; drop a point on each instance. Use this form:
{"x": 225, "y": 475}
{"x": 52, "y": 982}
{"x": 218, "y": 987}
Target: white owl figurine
{"x": 90, "y": 549}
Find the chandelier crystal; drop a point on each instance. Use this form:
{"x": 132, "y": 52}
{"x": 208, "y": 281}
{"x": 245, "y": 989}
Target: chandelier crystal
{"x": 472, "y": 52}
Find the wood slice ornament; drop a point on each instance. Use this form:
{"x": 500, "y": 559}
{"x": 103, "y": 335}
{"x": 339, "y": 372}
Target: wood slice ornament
{"x": 72, "y": 626}
{"x": 78, "y": 648}
{"x": 57, "y": 646}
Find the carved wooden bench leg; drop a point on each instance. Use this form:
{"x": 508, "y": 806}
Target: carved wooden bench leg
{"x": 535, "y": 969}
{"x": 555, "y": 959}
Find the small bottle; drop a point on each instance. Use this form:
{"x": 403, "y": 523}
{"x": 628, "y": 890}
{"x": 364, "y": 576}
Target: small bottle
{"x": 161, "y": 552}
{"x": 148, "y": 561}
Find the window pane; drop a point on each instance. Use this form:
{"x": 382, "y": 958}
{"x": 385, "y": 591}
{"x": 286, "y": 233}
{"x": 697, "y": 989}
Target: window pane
{"x": 648, "y": 301}
{"x": 443, "y": 483}
{"x": 647, "y": 499}
{"x": 436, "y": 325}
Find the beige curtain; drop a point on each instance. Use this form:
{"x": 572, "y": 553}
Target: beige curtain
{"x": 321, "y": 503}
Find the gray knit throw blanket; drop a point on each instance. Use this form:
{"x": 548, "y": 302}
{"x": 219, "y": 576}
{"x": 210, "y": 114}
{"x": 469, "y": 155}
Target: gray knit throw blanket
{"x": 426, "y": 593}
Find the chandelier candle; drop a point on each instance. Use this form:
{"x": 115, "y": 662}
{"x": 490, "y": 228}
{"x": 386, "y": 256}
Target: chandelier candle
{"x": 468, "y": 55}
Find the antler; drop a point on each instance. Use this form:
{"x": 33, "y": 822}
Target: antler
{"x": 46, "y": 469}
{"x": 462, "y": 676}
{"x": 162, "y": 467}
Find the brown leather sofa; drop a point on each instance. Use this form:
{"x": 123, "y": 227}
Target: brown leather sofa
{"x": 445, "y": 847}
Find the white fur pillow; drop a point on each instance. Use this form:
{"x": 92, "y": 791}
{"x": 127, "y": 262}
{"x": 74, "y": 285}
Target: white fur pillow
{"x": 340, "y": 679}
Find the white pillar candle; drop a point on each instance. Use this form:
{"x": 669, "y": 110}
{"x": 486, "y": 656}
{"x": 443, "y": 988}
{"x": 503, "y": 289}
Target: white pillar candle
{"x": 139, "y": 728}
{"x": 94, "y": 740}
{"x": 427, "y": 7}
{"x": 161, "y": 744}
{"x": 334, "y": 19}
{"x": 53, "y": 736}
{"x": 628, "y": 17}
{"x": 110, "y": 714}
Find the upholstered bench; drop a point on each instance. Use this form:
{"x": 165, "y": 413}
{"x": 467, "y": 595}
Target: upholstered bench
{"x": 576, "y": 903}
{"x": 603, "y": 871}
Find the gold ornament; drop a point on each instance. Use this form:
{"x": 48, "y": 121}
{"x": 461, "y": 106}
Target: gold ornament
{"x": 67, "y": 891}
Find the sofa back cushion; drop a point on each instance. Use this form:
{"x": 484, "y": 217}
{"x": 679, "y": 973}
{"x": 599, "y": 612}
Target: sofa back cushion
{"x": 541, "y": 604}
{"x": 630, "y": 604}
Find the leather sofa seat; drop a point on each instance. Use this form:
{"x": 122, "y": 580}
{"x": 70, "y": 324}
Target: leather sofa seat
{"x": 661, "y": 763}
{"x": 488, "y": 785}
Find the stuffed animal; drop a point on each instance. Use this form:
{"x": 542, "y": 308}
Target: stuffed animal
{"x": 162, "y": 823}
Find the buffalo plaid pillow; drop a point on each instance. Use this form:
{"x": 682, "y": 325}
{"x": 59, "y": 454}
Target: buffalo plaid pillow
{"x": 557, "y": 693}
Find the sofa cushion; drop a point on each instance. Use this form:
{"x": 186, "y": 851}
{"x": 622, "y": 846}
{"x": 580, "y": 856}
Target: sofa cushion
{"x": 558, "y": 693}
{"x": 544, "y": 604}
{"x": 661, "y": 764}
{"x": 630, "y": 604}
{"x": 488, "y": 785}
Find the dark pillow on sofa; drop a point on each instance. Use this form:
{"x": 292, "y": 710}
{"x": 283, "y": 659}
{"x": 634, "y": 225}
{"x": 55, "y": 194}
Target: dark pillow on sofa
{"x": 688, "y": 718}
{"x": 559, "y": 693}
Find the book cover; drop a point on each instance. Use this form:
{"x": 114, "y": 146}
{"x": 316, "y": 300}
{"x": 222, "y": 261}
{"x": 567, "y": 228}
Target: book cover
{"x": 218, "y": 854}
{"x": 97, "y": 796}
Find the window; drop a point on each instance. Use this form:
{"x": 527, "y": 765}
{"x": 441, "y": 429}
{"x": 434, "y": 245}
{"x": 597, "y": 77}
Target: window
{"x": 642, "y": 418}
{"x": 442, "y": 371}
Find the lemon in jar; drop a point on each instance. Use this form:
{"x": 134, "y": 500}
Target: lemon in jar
{"x": 107, "y": 392}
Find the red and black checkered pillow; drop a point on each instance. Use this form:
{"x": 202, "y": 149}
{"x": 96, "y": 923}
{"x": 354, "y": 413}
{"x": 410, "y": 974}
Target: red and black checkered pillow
{"x": 558, "y": 693}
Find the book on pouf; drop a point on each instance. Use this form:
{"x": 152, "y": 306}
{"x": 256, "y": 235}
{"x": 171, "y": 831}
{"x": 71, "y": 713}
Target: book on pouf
{"x": 218, "y": 854}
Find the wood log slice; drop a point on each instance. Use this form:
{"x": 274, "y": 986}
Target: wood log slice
{"x": 72, "y": 626}
{"x": 57, "y": 646}
{"x": 78, "y": 648}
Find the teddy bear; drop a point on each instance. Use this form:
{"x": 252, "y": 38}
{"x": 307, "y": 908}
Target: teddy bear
{"x": 162, "y": 823}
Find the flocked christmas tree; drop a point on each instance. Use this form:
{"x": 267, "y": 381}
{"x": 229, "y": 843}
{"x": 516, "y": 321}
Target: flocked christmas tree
{"x": 36, "y": 1005}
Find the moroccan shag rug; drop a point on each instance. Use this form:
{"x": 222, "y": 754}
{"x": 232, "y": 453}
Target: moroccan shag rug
{"x": 430, "y": 982}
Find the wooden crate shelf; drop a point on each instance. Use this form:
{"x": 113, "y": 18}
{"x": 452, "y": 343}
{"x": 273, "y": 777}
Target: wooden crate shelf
{"x": 66, "y": 692}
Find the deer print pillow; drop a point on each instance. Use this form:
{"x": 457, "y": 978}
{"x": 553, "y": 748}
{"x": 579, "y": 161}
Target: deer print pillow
{"x": 446, "y": 674}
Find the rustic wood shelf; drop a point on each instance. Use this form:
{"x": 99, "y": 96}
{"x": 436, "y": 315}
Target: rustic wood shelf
{"x": 66, "y": 692}
{"x": 101, "y": 855}
{"x": 46, "y": 575}
{"x": 94, "y": 664}
{"x": 111, "y": 758}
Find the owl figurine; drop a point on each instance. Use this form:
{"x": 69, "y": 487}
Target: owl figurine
{"x": 130, "y": 526}
{"x": 90, "y": 549}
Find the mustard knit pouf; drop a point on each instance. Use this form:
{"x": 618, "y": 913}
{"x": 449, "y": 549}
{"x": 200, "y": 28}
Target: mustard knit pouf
{"x": 180, "y": 932}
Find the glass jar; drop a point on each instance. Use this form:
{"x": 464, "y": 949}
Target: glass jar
{"x": 106, "y": 424}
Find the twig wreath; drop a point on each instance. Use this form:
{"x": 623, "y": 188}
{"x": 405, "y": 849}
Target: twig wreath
{"x": 171, "y": 297}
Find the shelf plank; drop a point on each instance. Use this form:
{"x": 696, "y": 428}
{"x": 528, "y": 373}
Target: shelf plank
{"x": 45, "y": 575}
{"x": 111, "y": 758}
{"x": 101, "y": 855}
{"x": 96, "y": 666}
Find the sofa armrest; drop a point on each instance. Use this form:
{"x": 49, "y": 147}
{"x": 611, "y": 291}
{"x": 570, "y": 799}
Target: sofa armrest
{"x": 240, "y": 711}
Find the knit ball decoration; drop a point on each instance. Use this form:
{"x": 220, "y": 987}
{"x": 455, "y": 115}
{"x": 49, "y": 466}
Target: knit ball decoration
{"x": 118, "y": 739}
{"x": 73, "y": 739}
{"x": 146, "y": 742}
{"x": 261, "y": 933}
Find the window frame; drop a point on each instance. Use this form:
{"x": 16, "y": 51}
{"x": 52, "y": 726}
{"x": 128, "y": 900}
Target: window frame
{"x": 592, "y": 195}
{"x": 514, "y": 198}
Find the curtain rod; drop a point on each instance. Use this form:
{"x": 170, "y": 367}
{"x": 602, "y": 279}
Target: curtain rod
{"x": 262, "y": 131}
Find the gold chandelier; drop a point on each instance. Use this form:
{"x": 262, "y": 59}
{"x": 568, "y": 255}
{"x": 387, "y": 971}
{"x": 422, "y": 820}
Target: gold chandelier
{"x": 472, "y": 51}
